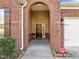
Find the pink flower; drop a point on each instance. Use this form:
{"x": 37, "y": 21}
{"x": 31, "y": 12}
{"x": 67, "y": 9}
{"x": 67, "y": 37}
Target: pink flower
{"x": 62, "y": 50}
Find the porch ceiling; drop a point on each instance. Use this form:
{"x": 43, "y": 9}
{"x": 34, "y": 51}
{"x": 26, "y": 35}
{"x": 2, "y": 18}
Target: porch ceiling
{"x": 39, "y": 7}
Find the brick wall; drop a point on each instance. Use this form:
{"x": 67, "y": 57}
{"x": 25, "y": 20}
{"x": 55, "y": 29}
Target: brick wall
{"x": 56, "y": 36}
{"x": 15, "y": 19}
{"x": 55, "y": 25}
{"x": 70, "y": 12}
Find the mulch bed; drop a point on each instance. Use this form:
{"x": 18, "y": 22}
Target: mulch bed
{"x": 58, "y": 54}
{"x": 21, "y": 53}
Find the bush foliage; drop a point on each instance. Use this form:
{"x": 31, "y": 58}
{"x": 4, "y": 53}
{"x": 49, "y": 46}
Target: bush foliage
{"x": 7, "y": 48}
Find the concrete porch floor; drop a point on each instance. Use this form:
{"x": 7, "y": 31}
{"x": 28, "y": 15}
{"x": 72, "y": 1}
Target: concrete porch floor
{"x": 38, "y": 49}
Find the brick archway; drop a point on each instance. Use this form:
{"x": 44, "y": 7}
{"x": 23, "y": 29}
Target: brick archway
{"x": 55, "y": 27}
{"x": 39, "y": 15}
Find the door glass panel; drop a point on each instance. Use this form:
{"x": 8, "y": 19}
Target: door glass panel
{"x": 38, "y": 31}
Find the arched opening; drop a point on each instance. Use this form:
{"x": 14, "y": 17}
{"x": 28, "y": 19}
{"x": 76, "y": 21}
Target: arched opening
{"x": 39, "y": 22}
{"x": 39, "y": 31}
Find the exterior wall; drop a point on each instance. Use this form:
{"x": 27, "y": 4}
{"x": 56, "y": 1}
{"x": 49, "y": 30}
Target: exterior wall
{"x": 55, "y": 24}
{"x": 30, "y": 25}
{"x": 67, "y": 13}
{"x": 70, "y": 12}
{"x": 40, "y": 17}
{"x": 15, "y": 19}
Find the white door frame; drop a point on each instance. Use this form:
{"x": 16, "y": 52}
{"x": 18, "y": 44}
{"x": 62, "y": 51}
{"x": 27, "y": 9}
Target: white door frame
{"x": 43, "y": 29}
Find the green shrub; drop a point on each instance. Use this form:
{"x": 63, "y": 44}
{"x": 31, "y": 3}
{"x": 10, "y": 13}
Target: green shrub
{"x": 56, "y": 50}
{"x": 7, "y": 48}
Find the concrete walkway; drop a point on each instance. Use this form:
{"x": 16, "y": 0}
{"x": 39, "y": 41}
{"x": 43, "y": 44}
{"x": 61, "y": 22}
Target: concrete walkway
{"x": 38, "y": 49}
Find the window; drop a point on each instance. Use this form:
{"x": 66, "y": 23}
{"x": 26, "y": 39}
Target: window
{"x": 4, "y": 22}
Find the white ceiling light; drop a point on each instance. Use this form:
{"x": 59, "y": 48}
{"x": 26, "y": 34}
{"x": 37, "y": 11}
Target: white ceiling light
{"x": 39, "y": 4}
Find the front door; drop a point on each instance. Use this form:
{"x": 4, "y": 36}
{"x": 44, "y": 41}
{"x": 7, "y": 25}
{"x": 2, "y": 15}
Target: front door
{"x": 38, "y": 30}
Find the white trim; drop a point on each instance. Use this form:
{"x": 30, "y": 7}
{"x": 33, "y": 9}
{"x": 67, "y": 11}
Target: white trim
{"x": 69, "y": 8}
{"x": 71, "y": 17}
{"x": 68, "y": 2}
{"x": 43, "y": 30}
{"x": 22, "y": 28}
